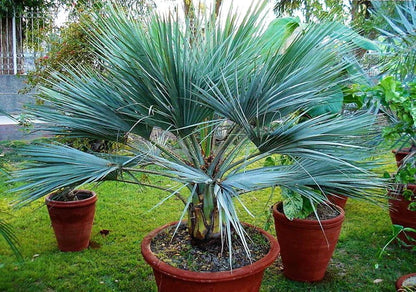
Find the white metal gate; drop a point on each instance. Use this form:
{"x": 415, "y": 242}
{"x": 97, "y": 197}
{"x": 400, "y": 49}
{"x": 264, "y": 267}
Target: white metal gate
{"x": 22, "y": 40}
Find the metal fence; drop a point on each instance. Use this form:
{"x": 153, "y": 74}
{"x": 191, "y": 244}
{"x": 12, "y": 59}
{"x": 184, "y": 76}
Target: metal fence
{"x": 22, "y": 40}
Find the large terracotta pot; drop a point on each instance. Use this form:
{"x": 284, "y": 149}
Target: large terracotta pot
{"x": 400, "y": 214}
{"x": 72, "y": 220}
{"x": 407, "y": 281}
{"x": 169, "y": 278}
{"x": 338, "y": 200}
{"x": 305, "y": 248}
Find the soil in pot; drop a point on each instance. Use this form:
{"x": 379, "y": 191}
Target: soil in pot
{"x": 208, "y": 257}
{"x": 180, "y": 266}
{"x": 400, "y": 213}
{"x": 306, "y": 244}
{"x": 72, "y": 220}
{"x": 406, "y": 283}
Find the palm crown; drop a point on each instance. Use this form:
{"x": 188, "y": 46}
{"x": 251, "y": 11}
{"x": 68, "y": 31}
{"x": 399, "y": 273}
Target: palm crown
{"x": 275, "y": 90}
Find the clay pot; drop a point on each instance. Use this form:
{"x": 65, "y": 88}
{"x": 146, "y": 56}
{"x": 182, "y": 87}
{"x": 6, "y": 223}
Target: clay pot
{"x": 338, "y": 200}
{"x": 169, "y": 278}
{"x": 72, "y": 220}
{"x": 400, "y": 155}
{"x": 403, "y": 282}
{"x": 401, "y": 215}
{"x": 305, "y": 248}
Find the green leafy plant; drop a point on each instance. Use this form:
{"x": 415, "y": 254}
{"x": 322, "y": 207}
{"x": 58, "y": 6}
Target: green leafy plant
{"x": 185, "y": 84}
{"x": 69, "y": 48}
{"x": 8, "y": 7}
{"x": 399, "y": 100}
{"x": 396, "y": 231}
{"x": 398, "y": 103}
{"x": 294, "y": 204}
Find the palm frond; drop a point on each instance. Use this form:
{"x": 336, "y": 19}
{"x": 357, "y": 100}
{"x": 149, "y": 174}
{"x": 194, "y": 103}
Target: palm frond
{"x": 50, "y": 167}
{"x": 228, "y": 214}
{"x": 305, "y": 176}
{"x": 328, "y": 135}
{"x": 305, "y": 75}
{"x": 9, "y": 236}
{"x": 184, "y": 173}
{"x": 399, "y": 32}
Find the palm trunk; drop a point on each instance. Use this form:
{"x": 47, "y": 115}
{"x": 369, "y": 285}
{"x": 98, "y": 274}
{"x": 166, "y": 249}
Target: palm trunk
{"x": 203, "y": 218}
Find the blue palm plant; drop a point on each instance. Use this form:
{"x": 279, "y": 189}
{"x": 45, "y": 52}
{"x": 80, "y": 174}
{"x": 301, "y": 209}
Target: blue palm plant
{"x": 262, "y": 83}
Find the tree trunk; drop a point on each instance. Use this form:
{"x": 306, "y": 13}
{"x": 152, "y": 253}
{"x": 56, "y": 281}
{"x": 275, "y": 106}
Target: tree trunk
{"x": 217, "y": 6}
{"x": 203, "y": 218}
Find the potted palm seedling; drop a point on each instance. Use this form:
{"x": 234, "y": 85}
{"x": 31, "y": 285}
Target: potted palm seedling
{"x": 71, "y": 210}
{"x": 189, "y": 81}
{"x": 72, "y": 215}
{"x": 307, "y": 231}
{"x": 307, "y": 241}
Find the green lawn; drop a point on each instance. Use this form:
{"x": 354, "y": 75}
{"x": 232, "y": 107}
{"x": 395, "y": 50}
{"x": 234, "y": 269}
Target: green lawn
{"x": 114, "y": 263}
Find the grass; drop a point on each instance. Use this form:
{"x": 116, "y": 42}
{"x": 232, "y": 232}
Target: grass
{"x": 114, "y": 262}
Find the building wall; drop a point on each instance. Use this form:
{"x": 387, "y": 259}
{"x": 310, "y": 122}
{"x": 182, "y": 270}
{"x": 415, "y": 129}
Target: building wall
{"x": 12, "y": 103}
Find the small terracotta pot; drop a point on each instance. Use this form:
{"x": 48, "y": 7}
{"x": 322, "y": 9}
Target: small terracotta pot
{"x": 169, "y": 278}
{"x": 401, "y": 215}
{"x": 401, "y": 281}
{"x": 72, "y": 220}
{"x": 305, "y": 248}
{"x": 338, "y": 200}
{"x": 400, "y": 155}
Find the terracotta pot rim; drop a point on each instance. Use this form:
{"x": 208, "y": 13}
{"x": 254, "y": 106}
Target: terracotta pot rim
{"x": 399, "y": 282}
{"x": 212, "y": 277}
{"x": 404, "y": 150}
{"x": 72, "y": 204}
{"x": 337, "y": 196}
{"x": 326, "y": 223}
{"x": 394, "y": 194}
{"x": 409, "y": 185}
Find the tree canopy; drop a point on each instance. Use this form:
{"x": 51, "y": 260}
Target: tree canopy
{"x": 7, "y": 7}
{"x": 354, "y": 11}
